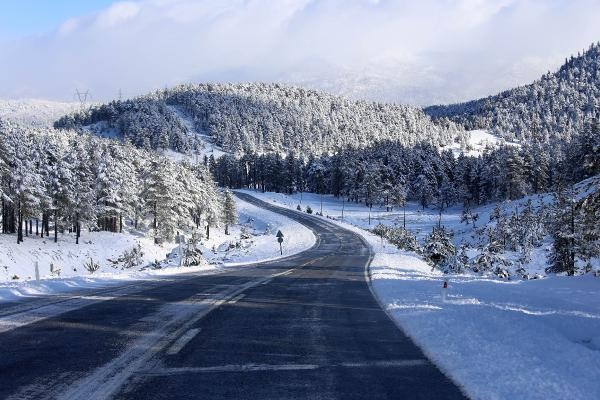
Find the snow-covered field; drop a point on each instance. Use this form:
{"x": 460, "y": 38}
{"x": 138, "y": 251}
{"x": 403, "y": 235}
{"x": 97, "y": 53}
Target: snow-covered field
{"x": 257, "y": 226}
{"x": 498, "y": 339}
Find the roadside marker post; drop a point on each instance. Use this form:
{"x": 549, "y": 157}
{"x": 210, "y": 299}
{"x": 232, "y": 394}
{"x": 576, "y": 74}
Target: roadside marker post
{"x": 444, "y": 290}
{"x": 37, "y": 273}
{"x": 280, "y": 240}
{"x": 180, "y": 239}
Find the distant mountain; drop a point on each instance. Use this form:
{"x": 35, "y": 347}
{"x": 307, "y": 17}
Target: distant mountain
{"x": 260, "y": 117}
{"x": 557, "y": 106}
{"x": 34, "y": 113}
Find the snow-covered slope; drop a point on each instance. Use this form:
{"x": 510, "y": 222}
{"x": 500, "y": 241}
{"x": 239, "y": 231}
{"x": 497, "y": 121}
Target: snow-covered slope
{"x": 205, "y": 144}
{"x": 35, "y": 113}
{"x": 477, "y": 142}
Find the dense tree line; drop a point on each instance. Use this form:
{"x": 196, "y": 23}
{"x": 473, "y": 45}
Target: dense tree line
{"x": 258, "y": 117}
{"x": 558, "y": 106}
{"x": 58, "y": 180}
{"x": 380, "y": 173}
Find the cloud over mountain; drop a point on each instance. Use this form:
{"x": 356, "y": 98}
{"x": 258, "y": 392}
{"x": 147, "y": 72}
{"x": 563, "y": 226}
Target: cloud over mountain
{"x": 398, "y": 50}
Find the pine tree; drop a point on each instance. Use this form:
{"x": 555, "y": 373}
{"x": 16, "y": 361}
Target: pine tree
{"x": 564, "y": 233}
{"x": 229, "y": 211}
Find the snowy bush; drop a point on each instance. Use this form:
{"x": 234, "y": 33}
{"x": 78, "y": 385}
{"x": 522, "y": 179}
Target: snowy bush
{"x": 404, "y": 240}
{"x": 192, "y": 256}
{"x": 490, "y": 259}
{"x": 439, "y": 250}
{"x": 91, "y": 266}
{"x": 381, "y": 230}
{"x": 398, "y": 236}
{"x": 132, "y": 258}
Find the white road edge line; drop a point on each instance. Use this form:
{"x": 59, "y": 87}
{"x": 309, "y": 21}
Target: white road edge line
{"x": 182, "y": 341}
{"x": 284, "y": 367}
{"x": 236, "y": 299}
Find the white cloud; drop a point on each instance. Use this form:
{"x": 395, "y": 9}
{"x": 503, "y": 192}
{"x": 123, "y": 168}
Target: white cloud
{"x": 425, "y": 51}
{"x": 118, "y": 13}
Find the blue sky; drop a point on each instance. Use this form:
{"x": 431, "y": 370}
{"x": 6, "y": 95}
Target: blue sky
{"x": 29, "y": 17}
{"x": 418, "y": 52}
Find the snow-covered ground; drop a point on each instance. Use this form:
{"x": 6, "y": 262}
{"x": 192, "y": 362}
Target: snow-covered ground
{"x": 252, "y": 240}
{"x": 479, "y": 141}
{"x": 498, "y": 339}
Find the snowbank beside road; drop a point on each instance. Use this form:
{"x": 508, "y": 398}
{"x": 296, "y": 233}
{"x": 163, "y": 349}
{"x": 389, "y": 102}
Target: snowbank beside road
{"x": 252, "y": 240}
{"x": 537, "y": 339}
{"x": 498, "y": 339}
{"x": 261, "y": 226}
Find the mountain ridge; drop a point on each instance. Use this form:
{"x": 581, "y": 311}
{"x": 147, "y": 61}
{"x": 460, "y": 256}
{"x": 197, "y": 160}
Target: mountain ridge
{"x": 260, "y": 117}
{"x": 559, "y": 105}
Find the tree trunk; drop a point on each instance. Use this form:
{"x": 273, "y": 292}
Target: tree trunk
{"x": 19, "y": 223}
{"x": 155, "y": 225}
{"x": 55, "y": 226}
{"x": 47, "y": 223}
{"x": 77, "y": 228}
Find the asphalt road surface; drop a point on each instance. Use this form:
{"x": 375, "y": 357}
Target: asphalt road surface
{"x": 305, "y": 327}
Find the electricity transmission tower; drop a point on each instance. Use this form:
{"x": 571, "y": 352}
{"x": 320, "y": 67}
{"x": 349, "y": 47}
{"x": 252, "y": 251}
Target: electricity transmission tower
{"x": 82, "y": 97}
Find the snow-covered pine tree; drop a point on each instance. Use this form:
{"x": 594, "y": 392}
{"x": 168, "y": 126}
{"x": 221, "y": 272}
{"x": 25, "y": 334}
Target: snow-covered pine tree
{"x": 229, "y": 210}
{"x": 160, "y": 198}
{"x": 564, "y": 231}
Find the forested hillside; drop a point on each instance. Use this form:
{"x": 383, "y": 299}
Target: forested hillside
{"x": 146, "y": 123}
{"x": 72, "y": 182}
{"x": 557, "y": 106}
{"x": 263, "y": 118}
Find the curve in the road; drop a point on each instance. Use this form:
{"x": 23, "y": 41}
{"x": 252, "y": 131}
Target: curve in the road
{"x": 306, "y": 326}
